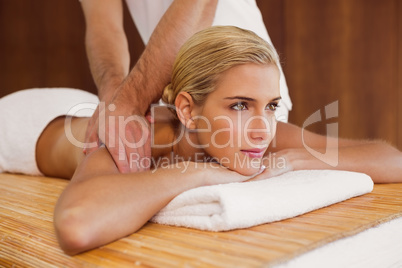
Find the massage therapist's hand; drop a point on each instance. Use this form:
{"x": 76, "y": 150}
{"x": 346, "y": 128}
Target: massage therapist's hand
{"x": 91, "y": 135}
{"x": 124, "y": 131}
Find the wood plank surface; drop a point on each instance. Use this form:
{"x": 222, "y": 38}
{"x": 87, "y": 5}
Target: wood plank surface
{"x": 332, "y": 53}
{"x": 399, "y": 124}
{"x": 27, "y": 236}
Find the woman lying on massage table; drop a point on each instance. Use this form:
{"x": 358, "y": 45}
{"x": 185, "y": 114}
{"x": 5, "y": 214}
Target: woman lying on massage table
{"x": 225, "y": 89}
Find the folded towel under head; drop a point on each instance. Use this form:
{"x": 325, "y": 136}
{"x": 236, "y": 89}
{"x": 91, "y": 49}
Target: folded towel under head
{"x": 240, "y": 205}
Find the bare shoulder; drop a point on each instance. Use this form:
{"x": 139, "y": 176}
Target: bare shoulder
{"x": 99, "y": 162}
{"x": 289, "y": 136}
{"x": 56, "y": 154}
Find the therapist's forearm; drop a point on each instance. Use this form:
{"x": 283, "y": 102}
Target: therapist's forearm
{"x": 152, "y": 72}
{"x": 106, "y": 44}
{"x": 109, "y": 61}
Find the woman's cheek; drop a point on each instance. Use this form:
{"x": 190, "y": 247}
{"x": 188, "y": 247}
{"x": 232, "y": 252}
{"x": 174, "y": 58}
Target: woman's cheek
{"x": 274, "y": 123}
{"x": 221, "y": 135}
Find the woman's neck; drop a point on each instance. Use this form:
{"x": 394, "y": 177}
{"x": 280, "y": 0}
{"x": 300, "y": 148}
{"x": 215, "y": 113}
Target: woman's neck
{"x": 171, "y": 140}
{"x": 186, "y": 146}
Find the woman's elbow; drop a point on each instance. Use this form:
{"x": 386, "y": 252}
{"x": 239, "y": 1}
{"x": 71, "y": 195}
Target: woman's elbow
{"x": 73, "y": 233}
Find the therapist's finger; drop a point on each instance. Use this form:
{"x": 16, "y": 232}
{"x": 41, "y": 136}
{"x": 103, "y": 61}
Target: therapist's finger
{"x": 138, "y": 146}
{"x": 91, "y": 135}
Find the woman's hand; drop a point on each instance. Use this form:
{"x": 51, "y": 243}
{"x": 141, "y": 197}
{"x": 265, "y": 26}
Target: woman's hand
{"x": 283, "y": 161}
{"x": 212, "y": 173}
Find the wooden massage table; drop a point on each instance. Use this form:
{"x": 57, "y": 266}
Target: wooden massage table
{"x": 27, "y": 237}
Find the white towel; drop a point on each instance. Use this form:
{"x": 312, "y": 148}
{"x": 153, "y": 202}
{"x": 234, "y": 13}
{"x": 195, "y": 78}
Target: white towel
{"x": 26, "y": 113}
{"x": 240, "y": 205}
{"x": 379, "y": 246}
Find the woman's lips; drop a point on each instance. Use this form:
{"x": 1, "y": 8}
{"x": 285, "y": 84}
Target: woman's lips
{"x": 254, "y": 153}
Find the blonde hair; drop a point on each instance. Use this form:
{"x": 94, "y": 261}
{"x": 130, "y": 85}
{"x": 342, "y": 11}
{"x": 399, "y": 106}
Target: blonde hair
{"x": 209, "y": 53}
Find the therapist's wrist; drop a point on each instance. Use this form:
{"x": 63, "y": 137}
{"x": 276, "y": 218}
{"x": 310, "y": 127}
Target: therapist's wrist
{"x": 130, "y": 101}
{"x": 107, "y": 91}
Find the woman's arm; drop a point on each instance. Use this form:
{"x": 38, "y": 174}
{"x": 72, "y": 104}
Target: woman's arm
{"x": 302, "y": 149}
{"x": 100, "y": 205}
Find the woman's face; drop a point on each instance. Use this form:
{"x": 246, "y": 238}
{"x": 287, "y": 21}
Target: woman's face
{"x": 237, "y": 122}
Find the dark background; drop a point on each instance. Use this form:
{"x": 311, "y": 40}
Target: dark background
{"x": 346, "y": 50}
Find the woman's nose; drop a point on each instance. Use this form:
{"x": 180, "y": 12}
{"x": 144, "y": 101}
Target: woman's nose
{"x": 260, "y": 128}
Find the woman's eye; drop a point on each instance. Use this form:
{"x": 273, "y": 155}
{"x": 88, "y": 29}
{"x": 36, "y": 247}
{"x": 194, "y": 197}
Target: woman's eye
{"x": 239, "y": 106}
{"x": 272, "y": 106}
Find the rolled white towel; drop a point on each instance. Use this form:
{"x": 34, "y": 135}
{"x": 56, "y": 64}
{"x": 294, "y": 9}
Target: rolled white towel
{"x": 26, "y": 113}
{"x": 240, "y": 205}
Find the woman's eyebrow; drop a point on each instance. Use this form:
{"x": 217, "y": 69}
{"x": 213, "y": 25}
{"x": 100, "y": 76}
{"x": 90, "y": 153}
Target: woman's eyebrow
{"x": 248, "y": 98}
{"x": 276, "y": 99}
{"x": 240, "y": 98}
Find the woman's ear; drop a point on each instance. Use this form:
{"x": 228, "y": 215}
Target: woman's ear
{"x": 184, "y": 106}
